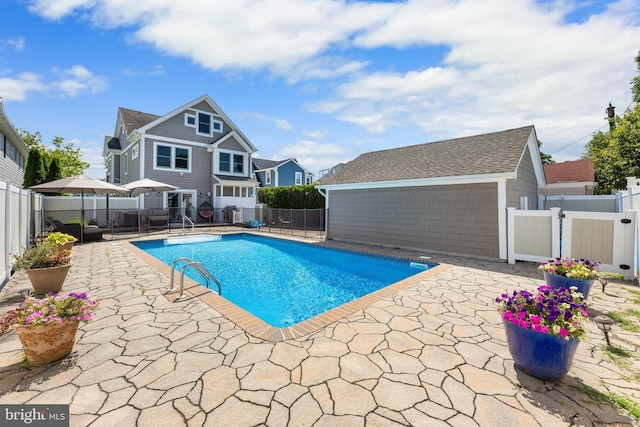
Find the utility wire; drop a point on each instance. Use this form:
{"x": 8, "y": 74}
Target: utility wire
{"x": 590, "y": 133}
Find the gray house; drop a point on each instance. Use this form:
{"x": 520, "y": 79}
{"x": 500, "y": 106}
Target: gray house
{"x": 448, "y": 196}
{"x": 196, "y": 148}
{"x": 13, "y": 152}
{"x": 274, "y": 173}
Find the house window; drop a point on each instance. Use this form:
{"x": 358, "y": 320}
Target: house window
{"x": 172, "y": 157}
{"x": 298, "y": 178}
{"x": 204, "y": 124}
{"x": 135, "y": 151}
{"x": 225, "y": 162}
{"x": 308, "y": 180}
{"x": 267, "y": 175}
{"x": 238, "y": 163}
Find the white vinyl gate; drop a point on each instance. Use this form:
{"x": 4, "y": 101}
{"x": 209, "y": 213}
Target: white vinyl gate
{"x": 598, "y": 236}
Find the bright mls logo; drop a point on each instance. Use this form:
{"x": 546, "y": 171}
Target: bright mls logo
{"x": 34, "y": 415}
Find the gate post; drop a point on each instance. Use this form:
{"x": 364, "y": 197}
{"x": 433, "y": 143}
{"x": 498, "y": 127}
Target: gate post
{"x": 556, "y": 237}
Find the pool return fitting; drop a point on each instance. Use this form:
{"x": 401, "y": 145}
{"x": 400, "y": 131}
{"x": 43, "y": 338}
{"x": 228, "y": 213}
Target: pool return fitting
{"x": 197, "y": 267}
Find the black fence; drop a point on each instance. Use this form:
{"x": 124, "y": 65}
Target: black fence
{"x": 94, "y": 224}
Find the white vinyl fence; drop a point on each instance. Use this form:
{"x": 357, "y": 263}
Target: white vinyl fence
{"x": 15, "y": 211}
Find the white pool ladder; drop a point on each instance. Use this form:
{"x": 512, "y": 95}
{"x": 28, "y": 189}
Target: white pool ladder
{"x": 196, "y": 266}
{"x": 186, "y": 219}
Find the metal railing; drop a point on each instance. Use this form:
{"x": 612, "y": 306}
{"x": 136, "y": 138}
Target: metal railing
{"x": 198, "y": 268}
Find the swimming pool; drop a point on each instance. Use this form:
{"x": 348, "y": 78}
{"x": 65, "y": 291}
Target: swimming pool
{"x": 284, "y": 282}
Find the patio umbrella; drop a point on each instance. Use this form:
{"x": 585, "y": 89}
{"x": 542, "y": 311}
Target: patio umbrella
{"x": 147, "y": 186}
{"x": 79, "y": 184}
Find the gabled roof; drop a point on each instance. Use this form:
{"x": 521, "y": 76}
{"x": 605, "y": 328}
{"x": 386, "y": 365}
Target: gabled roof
{"x": 111, "y": 144}
{"x": 488, "y": 154}
{"x": 216, "y": 108}
{"x": 261, "y": 164}
{"x": 134, "y": 119}
{"x": 573, "y": 171}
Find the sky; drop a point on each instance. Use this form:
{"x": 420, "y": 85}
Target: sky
{"x": 322, "y": 81}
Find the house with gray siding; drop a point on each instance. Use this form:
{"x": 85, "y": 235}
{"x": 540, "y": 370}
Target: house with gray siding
{"x": 447, "y": 196}
{"x": 275, "y": 173}
{"x": 195, "y": 147}
{"x": 14, "y": 152}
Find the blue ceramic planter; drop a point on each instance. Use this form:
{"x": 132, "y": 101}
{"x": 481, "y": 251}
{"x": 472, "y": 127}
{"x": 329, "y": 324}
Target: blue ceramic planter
{"x": 584, "y": 286}
{"x": 540, "y": 355}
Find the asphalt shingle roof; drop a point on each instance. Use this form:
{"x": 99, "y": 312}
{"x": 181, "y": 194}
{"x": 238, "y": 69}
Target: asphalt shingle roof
{"x": 266, "y": 164}
{"x": 497, "y": 152}
{"x": 134, "y": 119}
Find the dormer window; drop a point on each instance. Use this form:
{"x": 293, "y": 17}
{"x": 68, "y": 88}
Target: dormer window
{"x": 204, "y": 123}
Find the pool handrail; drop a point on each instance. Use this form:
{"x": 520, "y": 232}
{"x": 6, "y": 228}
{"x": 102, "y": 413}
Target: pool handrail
{"x": 203, "y": 272}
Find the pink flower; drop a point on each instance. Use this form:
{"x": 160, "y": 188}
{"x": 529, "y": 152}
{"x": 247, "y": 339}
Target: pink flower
{"x": 563, "y": 332}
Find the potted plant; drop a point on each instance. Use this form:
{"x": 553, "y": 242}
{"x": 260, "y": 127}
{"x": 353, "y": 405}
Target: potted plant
{"x": 568, "y": 272}
{"x": 47, "y": 327}
{"x": 46, "y": 264}
{"x": 543, "y": 329}
{"x": 63, "y": 239}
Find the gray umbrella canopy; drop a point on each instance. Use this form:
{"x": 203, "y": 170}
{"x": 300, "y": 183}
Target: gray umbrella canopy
{"x": 79, "y": 184}
{"x": 147, "y": 186}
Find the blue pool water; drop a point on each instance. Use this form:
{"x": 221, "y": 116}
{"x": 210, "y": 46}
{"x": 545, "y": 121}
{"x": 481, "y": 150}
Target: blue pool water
{"x": 284, "y": 282}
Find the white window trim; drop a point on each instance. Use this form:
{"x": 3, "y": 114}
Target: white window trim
{"x": 126, "y": 163}
{"x": 298, "y": 178}
{"x": 267, "y": 178}
{"x": 173, "y": 157}
{"x": 135, "y": 151}
{"x": 213, "y": 121}
{"x": 245, "y": 162}
{"x": 186, "y": 120}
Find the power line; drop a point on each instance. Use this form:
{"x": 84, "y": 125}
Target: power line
{"x": 590, "y": 133}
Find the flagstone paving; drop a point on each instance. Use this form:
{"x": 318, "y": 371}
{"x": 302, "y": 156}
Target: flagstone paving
{"x": 433, "y": 354}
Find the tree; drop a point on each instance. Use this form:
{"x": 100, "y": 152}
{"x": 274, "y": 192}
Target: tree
{"x": 616, "y": 154}
{"x": 546, "y": 158}
{"x": 635, "y": 82}
{"x": 69, "y": 158}
{"x": 35, "y": 171}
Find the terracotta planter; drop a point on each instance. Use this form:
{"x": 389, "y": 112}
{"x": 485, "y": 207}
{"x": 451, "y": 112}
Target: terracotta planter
{"x": 49, "y": 279}
{"x": 543, "y": 356}
{"x": 44, "y": 344}
{"x": 584, "y": 286}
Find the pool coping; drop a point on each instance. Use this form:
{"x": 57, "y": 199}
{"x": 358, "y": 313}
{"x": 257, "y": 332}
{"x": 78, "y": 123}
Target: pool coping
{"x": 258, "y": 327}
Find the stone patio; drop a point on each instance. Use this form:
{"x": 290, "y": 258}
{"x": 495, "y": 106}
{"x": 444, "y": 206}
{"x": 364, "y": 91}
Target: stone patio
{"x": 433, "y": 354}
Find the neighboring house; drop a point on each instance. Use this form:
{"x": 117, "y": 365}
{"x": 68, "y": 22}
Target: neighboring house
{"x": 448, "y": 196}
{"x": 574, "y": 178}
{"x": 323, "y": 174}
{"x": 196, "y": 148}
{"x": 276, "y": 173}
{"x": 14, "y": 152}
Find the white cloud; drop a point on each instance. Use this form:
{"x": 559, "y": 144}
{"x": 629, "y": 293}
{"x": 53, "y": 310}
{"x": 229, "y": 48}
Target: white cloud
{"x": 15, "y": 43}
{"x": 281, "y": 124}
{"x": 315, "y": 133}
{"x": 498, "y": 63}
{"x": 17, "y": 88}
{"x": 314, "y": 156}
{"x": 56, "y": 9}
{"x": 78, "y": 79}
